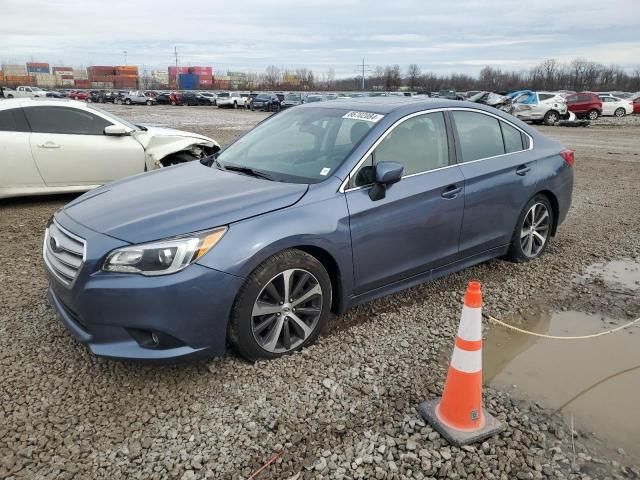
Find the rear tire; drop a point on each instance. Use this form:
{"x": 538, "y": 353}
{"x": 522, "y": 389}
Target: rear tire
{"x": 620, "y": 112}
{"x": 127, "y": 101}
{"x": 533, "y": 230}
{"x": 271, "y": 335}
{"x": 593, "y": 114}
{"x": 551, "y": 117}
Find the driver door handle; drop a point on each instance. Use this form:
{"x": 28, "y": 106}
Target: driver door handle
{"x": 49, "y": 145}
{"x": 523, "y": 170}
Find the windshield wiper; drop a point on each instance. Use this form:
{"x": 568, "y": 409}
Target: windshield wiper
{"x": 142, "y": 127}
{"x": 246, "y": 170}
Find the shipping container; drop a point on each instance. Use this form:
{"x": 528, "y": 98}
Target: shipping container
{"x": 80, "y": 83}
{"x": 45, "y": 80}
{"x": 67, "y": 82}
{"x": 102, "y": 85}
{"x": 17, "y": 80}
{"x": 120, "y": 81}
{"x": 100, "y": 71}
{"x": 37, "y": 70}
{"x": 126, "y": 70}
{"x": 101, "y": 78}
{"x": 80, "y": 73}
{"x": 61, "y": 69}
{"x": 188, "y": 81}
{"x": 66, "y": 77}
{"x": 14, "y": 70}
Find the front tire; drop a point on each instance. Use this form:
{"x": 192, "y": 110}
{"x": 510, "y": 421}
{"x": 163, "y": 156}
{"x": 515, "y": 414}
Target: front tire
{"x": 533, "y": 230}
{"x": 593, "y": 114}
{"x": 282, "y": 307}
{"x": 149, "y": 102}
{"x": 127, "y": 101}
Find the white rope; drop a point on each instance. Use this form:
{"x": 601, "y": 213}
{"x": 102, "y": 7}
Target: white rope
{"x": 555, "y": 337}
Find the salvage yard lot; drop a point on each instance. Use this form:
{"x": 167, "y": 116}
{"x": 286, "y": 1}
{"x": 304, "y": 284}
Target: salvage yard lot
{"x": 342, "y": 408}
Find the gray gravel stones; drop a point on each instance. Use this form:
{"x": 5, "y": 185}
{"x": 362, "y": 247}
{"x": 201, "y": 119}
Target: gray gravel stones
{"x": 341, "y": 409}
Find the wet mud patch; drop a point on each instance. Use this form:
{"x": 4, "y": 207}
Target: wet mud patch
{"x": 594, "y": 380}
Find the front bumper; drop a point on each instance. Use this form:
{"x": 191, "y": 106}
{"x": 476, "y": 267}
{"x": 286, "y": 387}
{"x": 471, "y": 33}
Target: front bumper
{"x": 115, "y": 314}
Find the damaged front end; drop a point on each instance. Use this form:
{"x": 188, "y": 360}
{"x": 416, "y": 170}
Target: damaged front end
{"x": 164, "y": 146}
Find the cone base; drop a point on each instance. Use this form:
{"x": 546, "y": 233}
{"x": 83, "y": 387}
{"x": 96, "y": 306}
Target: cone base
{"x": 457, "y": 437}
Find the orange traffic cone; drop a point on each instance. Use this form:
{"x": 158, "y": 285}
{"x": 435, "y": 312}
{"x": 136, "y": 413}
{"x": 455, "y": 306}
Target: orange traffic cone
{"x": 459, "y": 416}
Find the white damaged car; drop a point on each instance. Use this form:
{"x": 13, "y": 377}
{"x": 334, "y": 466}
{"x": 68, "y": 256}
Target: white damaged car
{"x": 60, "y": 146}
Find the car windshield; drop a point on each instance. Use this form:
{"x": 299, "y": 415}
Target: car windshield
{"x": 304, "y": 145}
{"x": 111, "y": 116}
{"x": 263, "y": 97}
{"x": 313, "y": 98}
{"x": 223, "y": 95}
{"x": 292, "y": 97}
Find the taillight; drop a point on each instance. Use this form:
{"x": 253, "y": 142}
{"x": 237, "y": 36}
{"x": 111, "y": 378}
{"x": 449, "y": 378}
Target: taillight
{"x": 568, "y": 156}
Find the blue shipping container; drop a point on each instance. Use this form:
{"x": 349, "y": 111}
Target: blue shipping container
{"x": 188, "y": 81}
{"x": 37, "y": 70}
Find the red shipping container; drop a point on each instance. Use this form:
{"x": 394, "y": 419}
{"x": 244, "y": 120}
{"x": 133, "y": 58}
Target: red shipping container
{"x": 62, "y": 69}
{"x": 37, "y": 65}
{"x": 67, "y": 77}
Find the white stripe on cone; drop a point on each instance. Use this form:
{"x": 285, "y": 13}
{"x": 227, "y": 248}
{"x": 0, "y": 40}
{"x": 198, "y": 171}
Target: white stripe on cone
{"x": 466, "y": 361}
{"x": 470, "y": 328}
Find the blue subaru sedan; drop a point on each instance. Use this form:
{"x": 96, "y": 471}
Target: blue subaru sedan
{"x": 319, "y": 208}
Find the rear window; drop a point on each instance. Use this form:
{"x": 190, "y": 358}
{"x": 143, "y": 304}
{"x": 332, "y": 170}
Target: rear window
{"x": 545, "y": 96}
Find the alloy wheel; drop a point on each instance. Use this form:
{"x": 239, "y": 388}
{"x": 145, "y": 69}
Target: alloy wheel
{"x": 535, "y": 230}
{"x": 620, "y": 112}
{"x": 287, "y": 310}
{"x": 593, "y": 115}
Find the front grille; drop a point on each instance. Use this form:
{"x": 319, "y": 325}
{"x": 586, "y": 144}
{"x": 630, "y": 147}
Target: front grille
{"x": 63, "y": 253}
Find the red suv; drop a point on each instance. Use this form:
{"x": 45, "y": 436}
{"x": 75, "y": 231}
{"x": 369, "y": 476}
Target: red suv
{"x": 585, "y": 104}
{"x": 636, "y": 105}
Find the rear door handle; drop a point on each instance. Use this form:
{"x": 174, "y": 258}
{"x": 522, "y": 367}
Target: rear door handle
{"x": 451, "y": 191}
{"x": 523, "y": 170}
{"x": 49, "y": 145}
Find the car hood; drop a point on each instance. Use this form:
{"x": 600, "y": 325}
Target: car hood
{"x": 155, "y": 131}
{"x": 177, "y": 200}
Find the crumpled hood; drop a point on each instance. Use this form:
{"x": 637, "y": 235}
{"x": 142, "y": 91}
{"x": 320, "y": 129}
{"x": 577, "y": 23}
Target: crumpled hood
{"x": 156, "y": 132}
{"x": 177, "y": 200}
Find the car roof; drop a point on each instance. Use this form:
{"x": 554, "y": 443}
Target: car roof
{"x": 386, "y": 105}
{"x": 38, "y": 102}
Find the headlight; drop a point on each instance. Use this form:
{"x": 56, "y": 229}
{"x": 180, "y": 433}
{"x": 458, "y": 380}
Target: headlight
{"x": 164, "y": 256}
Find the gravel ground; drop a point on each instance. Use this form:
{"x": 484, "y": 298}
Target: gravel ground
{"x": 343, "y": 408}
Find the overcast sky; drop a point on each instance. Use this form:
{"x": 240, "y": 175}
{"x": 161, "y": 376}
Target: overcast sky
{"x": 248, "y": 35}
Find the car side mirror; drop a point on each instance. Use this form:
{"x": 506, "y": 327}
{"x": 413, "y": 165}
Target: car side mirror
{"x": 386, "y": 174}
{"x": 115, "y": 131}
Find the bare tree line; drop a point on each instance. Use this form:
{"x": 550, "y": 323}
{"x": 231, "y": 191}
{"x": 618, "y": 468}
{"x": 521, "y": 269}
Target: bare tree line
{"x": 579, "y": 75}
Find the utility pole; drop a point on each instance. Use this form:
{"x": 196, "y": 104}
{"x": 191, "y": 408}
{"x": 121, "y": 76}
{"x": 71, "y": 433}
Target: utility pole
{"x": 363, "y": 67}
{"x": 175, "y": 52}
{"x": 125, "y": 57}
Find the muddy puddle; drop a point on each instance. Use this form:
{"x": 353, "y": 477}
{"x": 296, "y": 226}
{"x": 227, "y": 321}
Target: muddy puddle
{"x": 621, "y": 274}
{"x": 597, "y": 381}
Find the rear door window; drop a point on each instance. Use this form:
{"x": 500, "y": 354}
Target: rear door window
{"x": 62, "y": 120}
{"x": 480, "y": 135}
{"x": 12, "y": 120}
